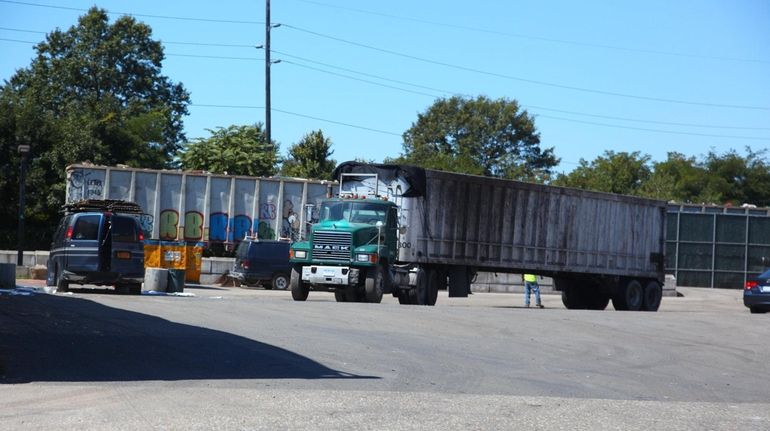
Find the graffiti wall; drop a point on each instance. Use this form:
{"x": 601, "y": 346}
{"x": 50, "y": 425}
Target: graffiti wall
{"x": 204, "y": 207}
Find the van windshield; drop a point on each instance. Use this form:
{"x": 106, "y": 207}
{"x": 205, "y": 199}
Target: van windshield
{"x": 353, "y": 212}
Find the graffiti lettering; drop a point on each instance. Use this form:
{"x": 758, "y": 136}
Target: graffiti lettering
{"x": 218, "y": 226}
{"x": 193, "y": 225}
{"x": 241, "y": 227}
{"x": 169, "y": 221}
{"x": 147, "y": 222}
{"x": 267, "y": 211}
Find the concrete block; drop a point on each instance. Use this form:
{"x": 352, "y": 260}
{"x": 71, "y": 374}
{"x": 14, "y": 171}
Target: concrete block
{"x": 38, "y": 272}
{"x": 669, "y": 287}
{"x": 221, "y": 265}
{"x": 155, "y": 279}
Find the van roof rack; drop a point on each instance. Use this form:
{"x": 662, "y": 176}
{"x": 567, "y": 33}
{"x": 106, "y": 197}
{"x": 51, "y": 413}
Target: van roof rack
{"x": 100, "y": 205}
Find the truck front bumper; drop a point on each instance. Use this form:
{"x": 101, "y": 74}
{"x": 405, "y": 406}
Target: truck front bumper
{"x": 336, "y": 275}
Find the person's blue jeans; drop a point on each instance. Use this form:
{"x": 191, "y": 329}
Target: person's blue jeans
{"x": 531, "y": 286}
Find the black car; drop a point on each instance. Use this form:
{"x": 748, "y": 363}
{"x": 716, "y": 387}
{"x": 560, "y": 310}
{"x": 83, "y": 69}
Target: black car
{"x": 94, "y": 245}
{"x": 756, "y": 293}
{"x": 263, "y": 262}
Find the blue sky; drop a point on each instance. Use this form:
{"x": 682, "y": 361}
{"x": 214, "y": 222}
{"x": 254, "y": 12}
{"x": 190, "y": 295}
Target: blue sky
{"x": 651, "y": 76}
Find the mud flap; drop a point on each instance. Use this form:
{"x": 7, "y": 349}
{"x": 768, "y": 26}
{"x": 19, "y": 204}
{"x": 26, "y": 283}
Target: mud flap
{"x": 459, "y": 282}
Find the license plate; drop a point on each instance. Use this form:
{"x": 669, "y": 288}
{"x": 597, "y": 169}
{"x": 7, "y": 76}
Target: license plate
{"x": 123, "y": 255}
{"x": 329, "y": 272}
{"x": 764, "y": 289}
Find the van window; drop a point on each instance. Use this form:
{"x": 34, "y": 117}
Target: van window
{"x": 123, "y": 229}
{"x": 86, "y": 228}
{"x": 242, "y": 252}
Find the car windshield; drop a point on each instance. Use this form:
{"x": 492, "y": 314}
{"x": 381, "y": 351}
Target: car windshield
{"x": 765, "y": 274}
{"x": 354, "y": 212}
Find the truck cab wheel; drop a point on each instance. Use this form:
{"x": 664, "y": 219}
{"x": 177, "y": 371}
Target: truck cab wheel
{"x": 375, "y": 281}
{"x": 339, "y": 295}
{"x": 299, "y": 290}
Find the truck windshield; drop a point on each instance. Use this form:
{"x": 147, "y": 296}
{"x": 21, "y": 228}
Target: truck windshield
{"x": 353, "y": 212}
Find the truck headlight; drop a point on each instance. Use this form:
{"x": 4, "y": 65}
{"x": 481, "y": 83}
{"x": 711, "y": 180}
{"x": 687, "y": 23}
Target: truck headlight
{"x": 362, "y": 257}
{"x": 371, "y": 258}
{"x": 300, "y": 254}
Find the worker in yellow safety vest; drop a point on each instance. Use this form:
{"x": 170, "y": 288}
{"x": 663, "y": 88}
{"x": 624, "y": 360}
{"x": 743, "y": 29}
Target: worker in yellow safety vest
{"x": 530, "y": 285}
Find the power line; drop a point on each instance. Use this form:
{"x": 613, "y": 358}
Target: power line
{"x": 530, "y": 37}
{"x": 671, "y": 132}
{"x": 440, "y": 63}
{"x": 361, "y": 80}
{"x": 171, "y": 17}
{"x": 530, "y": 81}
{"x": 385, "y": 132}
{"x": 669, "y": 123}
{"x": 542, "y": 108}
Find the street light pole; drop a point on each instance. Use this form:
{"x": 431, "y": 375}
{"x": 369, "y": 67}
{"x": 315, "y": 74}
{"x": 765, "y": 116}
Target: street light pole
{"x": 23, "y": 150}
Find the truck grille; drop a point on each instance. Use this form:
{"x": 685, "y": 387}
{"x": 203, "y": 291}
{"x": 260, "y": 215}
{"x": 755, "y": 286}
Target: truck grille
{"x": 331, "y": 245}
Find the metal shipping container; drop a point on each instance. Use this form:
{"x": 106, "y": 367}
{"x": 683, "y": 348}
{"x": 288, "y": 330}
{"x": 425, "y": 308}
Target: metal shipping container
{"x": 511, "y": 226}
{"x": 200, "y": 206}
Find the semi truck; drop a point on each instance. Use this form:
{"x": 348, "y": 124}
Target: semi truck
{"x": 410, "y": 232}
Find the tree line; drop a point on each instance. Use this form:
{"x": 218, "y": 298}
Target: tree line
{"x": 95, "y": 92}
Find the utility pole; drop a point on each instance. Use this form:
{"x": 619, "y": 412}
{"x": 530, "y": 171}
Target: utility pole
{"x": 23, "y": 150}
{"x": 267, "y": 72}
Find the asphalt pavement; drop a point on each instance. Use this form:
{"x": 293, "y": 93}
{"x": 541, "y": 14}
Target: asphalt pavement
{"x": 234, "y": 358}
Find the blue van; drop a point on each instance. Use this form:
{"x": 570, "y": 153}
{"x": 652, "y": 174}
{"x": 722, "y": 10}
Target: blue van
{"x": 264, "y": 262}
{"x": 97, "y": 247}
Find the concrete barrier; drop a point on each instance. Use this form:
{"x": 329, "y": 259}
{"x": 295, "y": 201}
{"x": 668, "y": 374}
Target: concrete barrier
{"x": 7, "y": 275}
{"x": 155, "y": 280}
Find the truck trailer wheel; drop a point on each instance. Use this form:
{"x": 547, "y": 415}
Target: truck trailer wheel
{"x": 629, "y": 296}
{"x": 653, "y": 293}
{"x": 299, "y": 290}
{"x": 375, "y": 281}
{"x": 571, "y": 295}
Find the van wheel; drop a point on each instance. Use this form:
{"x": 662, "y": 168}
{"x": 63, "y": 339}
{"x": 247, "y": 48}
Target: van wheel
{"x": 280, "y": 281}
{"x": 62, "y": 285}
{"x": 299, "y": 290}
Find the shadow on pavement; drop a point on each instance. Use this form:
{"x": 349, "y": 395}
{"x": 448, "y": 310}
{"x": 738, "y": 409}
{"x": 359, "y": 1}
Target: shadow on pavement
{"x": 66, "y": 339}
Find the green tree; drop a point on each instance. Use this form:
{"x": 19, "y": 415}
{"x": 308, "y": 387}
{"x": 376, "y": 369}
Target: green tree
{"x": 478, "y": 136}
{"x": 740, "y": 179}
{"x": 684, "y": 179}
{"x": 93, "y": 92}
{"x": 235, "y": 150}
{"x": 310, "y": 158}
{"x": 623, "y": 173}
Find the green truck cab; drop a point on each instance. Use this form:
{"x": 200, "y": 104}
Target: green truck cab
{"x": 348, "y": 251}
